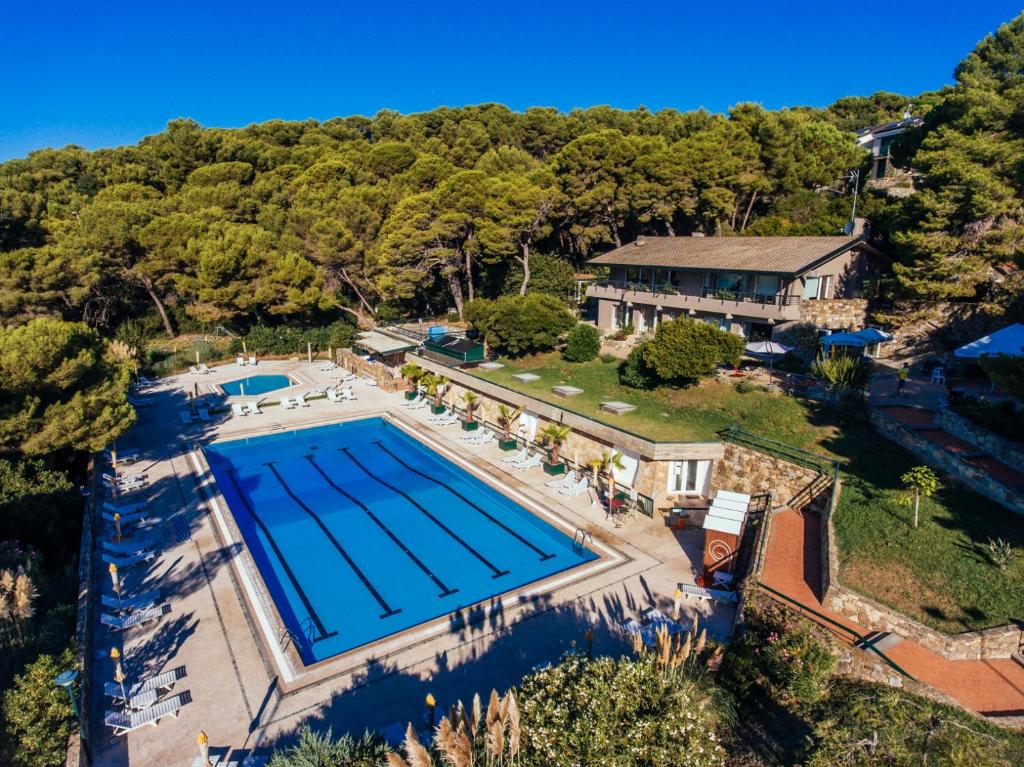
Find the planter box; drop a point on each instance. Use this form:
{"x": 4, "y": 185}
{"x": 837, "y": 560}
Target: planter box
{"x": 437, "y": 409}
{"x": 508, "y": 444}
{"x": 470, "y": 425}
{"x": 411, "y": 395}
{"x": 554, "y": 469}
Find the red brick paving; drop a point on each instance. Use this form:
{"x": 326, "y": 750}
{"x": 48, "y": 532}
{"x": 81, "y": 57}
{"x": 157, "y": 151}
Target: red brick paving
{"x": 999, "y": 471}
{"x": 792, "y": 566}
{"x": 911, "y": 416}
{"x": 948, "y": 441}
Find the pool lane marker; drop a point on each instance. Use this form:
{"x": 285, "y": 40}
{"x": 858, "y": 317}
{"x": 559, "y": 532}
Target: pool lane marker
{"x": 536, "y": 549}
{"x": 324, "y": 634}
{"x": 388, "y": 610}
{"x": 496, "y": 572}
{"x": 445, "y": 591}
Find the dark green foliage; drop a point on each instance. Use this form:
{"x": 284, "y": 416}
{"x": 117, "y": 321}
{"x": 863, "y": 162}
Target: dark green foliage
{"x": 1006, "y": 372}
{"x": 321, "y": 749}
{"x": 684, "y": 351}
{"x": 634, "y": 372}
{"x": 286, "y": 339}
{"x": 790, "y": 363}
{"x": 518, "y": 325}
{"x": 608, "y": 358}
{"x": 37, "y": 716}
{"x": 999, "y": 416}
{"x": 548, "y": 274}
{"x": 583, "y": 343}
{"x": 746, "y": 386}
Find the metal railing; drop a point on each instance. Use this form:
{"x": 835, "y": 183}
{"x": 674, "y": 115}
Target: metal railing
{"x": 772, "y": 447}
{"x": 667, "y": 289}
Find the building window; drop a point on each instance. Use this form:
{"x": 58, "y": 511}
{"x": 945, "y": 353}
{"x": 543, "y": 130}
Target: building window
{"x": 767, "y": 285}
{"x": 688, "y": 477}
{"x": 635, "y": 274}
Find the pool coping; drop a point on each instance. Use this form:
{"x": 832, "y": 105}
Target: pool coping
{"x": 293, "y": 674}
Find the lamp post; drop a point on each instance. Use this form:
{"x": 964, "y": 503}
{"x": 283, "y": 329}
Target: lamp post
{"x": 66, "y": 679}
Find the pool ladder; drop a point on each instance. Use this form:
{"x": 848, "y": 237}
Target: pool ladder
{"x": 580, "y": 537}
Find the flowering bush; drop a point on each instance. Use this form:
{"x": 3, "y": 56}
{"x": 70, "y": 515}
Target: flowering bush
{"x": 621, "y": 712}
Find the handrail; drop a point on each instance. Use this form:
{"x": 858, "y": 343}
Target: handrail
{"x": 860, "y": 639}
{"x": 713, "y": 294}
{"x": 790, "y": 453}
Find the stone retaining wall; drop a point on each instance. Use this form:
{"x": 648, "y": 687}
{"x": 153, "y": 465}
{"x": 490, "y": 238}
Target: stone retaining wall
{"x": 954, "y": 423}
{"x": 745, "y": 470}
{"x": 836, "y": 313}
{"x": 936, "y": 456}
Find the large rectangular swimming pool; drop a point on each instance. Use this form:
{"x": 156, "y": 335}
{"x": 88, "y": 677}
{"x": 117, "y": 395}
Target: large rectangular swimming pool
{"x": 360, "y": 531}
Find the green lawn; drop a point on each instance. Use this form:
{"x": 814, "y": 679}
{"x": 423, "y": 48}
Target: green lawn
{"x": 938, "y": 573}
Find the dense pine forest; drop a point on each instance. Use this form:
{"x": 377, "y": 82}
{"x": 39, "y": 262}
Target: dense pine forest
{"x": 361, "y": 220}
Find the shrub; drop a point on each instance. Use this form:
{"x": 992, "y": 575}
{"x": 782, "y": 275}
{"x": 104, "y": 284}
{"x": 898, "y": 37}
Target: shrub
{"x": 286, "y": 339}
{"x": 688, "y": 350}
{"x": 616, "y": 712}
{"x": 518, "y": 325}
{"x": 583, "y": 343}
{"x": 548, "y": 274}
{"x": 1006, "y": 372}
{"x": 608, "y": 358}
{"x": 746, "y": 386}
{"x": 843, "y": 371}
{"x": 320, "y": 749}
{"x": 37, "y": 715}
{"x": 790, "y": 363}
{"x": 634, "y": 372}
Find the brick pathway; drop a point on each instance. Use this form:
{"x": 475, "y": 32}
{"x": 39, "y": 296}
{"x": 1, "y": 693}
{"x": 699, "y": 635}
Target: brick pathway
{"x": 793, "y": 567}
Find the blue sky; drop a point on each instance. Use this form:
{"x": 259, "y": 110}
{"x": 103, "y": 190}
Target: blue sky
{"x": 107, "y": 73}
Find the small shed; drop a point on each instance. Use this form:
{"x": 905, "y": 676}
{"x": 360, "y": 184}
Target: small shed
{"x": 723, "y": 530}
{"x": 458, "y": 349}
{"x": 389, "y": 349}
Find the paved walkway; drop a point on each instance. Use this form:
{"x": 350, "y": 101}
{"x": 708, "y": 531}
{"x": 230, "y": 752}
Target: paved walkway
{"x": 793, "y": 567}
{"x": 237, "y": 697}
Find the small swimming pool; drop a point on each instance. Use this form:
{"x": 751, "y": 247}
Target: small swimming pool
{"x": 360, "y": 531}
{"x": 253, "y": 385}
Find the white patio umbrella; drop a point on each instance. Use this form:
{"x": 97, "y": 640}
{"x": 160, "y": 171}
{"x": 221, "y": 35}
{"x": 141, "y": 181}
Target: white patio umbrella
{"x": 769, "y": 348}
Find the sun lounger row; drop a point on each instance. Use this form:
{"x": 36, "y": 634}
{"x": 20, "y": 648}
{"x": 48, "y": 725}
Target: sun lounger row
{"x": 123, "y": 722}
{"x": 242, "y": 361}
{"x": 345, "y": 395}
{"x": 116, "y": 622}
{"x": 129, "y": 604}
{"x": 290, "y": 403}
{"x": 155, "y": 684}
{"x": 198, "y": 370}
{"x": 249, "y": 408}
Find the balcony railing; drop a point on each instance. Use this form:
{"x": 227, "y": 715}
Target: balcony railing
{"x": 706, "y": 293}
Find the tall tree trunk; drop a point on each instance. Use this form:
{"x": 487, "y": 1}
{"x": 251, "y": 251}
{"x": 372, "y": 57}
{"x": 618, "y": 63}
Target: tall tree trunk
{"x": 735, "y": 212}
{"x": 615, "y": 232}
{"x": 355, "y": 289}
{"x": 455, "y": 285}
{"x": 525, "y": 261}
{"x": 469, "y": 275}
{"x": 750, "y": 206}
{"x": 668, "y": 225}
{"x": 147, "y": 284}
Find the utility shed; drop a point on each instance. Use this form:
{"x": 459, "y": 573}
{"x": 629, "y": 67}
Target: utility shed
{"x": 723, "y": 527}
{"x": 458, "y": 349}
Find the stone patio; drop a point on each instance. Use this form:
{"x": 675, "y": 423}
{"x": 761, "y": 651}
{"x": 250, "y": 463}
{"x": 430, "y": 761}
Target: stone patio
{"x": 238, "y": 695}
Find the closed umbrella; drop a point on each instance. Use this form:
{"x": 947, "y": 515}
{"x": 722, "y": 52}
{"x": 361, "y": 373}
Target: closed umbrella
{"x": 769, "y": 348}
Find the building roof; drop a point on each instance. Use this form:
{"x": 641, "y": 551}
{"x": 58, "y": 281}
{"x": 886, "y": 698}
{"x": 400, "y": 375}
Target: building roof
{"x": 778, "y": 255}
{"x": 894, "y": 125}
{"x": 382, "y": 344}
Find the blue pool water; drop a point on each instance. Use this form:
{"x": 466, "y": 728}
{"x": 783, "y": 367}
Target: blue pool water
{"x": 256, "y": 384}
{"x": 361, "y": 531}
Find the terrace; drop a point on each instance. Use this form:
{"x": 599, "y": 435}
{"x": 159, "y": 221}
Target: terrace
{"x": 246, "y": 687}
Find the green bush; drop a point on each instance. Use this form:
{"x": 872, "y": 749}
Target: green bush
{"x": 634, "y": 371}
{"x": 843, "y": 371}
{"x": 616, "y": 712}
{"x": 582, "y": 344}
{"x": 320, "y": 749}
{"x": 746, "y": 386}
{"x": 685, "y": 351}
{"x": 517, "y": 325}
{"x": 548, "y": 274}
{"x": 38, "y": 720}
{"x": 608, "y": 358}
{"x": 286, "y": 340}
{"x": 790, "y": 363}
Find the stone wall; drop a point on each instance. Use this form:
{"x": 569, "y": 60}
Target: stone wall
{"x": 744, "y": 470}
{"x": 938, "y": 457}
{"x": 954, "y": 423}
{"x": 836, "y": 313}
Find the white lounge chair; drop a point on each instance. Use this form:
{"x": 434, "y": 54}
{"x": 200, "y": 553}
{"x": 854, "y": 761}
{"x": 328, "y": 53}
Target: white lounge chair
{"x": 127, "y": 560}
{"x": 529, "y": 463}
{"x": 138, "y": 702}
{"x": 240, "y": 361}
{"x": 252, "y": 361}
{"x": 481, "y": 438}
{"x": 155, "y": 684}
{"x": 333, "y": 396}
{"x": 193, "y": 370}
{"x": 127, "y": 519}
{"x": 522, "y": 455}
{"x": 440, "y": 416}
{"x": 564, "y": 481}
{"x": 449, "y": 420}
{"x": 148, "y": 599}
{"x": 185, "y": 416}
{"x": 123, "y": 722}
{"x": 348, "y": 377}
{"x": 288, "y": 403}
{"x": 413, "y": 402}
{"x": 576, "y": 488}
{"x": 370, "y": 381}
{"x": 300, "y": 400}
{"x": 237, "y": 409}
{"x": 349, "y": 395}
{"x": 143, "y": 381}
{"x": 139, "y": 618}
{"x": 128, "y": 545}
{"x": 124, "y": 508}
{"x": 253, "y": 408}
{"x": 204, "y": 414}
{"x": 123, "y": 456}
{"x": 203, "y": 369}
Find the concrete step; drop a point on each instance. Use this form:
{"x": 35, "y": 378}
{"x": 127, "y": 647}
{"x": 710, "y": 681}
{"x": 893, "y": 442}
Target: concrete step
{"x": 1018, "y": 659}
{"x": 882, "y": 641}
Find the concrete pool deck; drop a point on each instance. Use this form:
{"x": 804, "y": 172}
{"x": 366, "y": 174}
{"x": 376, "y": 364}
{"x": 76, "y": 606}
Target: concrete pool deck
{"x": 237, "y": 695}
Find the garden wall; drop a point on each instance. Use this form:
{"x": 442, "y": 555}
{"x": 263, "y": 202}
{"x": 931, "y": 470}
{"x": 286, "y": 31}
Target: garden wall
{"x": 954, "y": 423}
{"x": 937, "y": 456}
{"x": 744, "y": 470}
{"x": 836, "y": 313}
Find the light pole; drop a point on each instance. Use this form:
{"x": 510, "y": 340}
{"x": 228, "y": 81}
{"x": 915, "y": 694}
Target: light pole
{"x": 66, "y": 679}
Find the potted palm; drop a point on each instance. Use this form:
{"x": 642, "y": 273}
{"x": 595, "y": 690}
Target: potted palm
{"x": 470, "y": 399}
{"x": 413, "y": 374}
{"x": 506, "y": 417}
{"x": 604, "y": 470}
{"x": 436, "y": 386}
{"x": 554, "y": 434}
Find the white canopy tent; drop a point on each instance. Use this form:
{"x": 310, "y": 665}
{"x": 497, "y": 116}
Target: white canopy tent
{"x": 1009, "y": 341}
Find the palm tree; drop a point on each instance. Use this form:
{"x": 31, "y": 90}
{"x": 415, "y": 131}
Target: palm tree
{"x": 412, "y": 373}
{"x": 436, "y": 386}
{"x": 554, "y": 434}
{"x": 506, "y": 417}
{"x": 604, "y": 467}
{"x": 470, "y": 398}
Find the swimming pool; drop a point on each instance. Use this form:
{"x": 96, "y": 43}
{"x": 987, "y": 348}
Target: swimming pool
{"x": 359, "y": 531}
{"x": 260, "y": 384}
